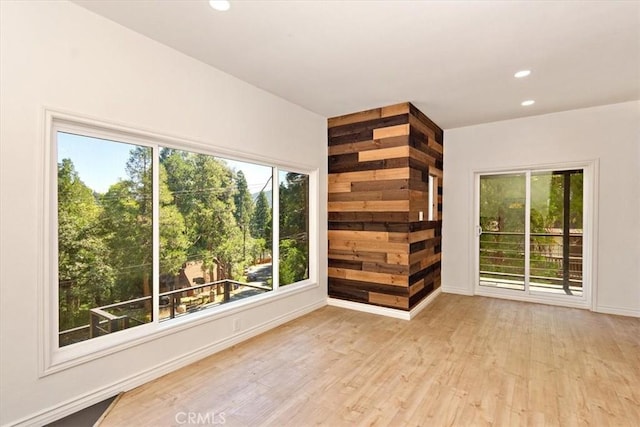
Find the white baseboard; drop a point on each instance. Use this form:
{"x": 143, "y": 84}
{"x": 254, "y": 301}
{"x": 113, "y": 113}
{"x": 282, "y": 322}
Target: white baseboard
{"x": 616, "y": 310}
{"x": 534, "y": 299}
{"x": 373, "y": 309}
{"x": 457, "y": 290}
{"x": 598, "y": 309}
{"x": 71, "y": 406}
{"x": 385, "y": 311}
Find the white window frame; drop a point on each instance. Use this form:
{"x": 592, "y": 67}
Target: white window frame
{"x": 52, "y": 357}
{"x": 589, "y": 253}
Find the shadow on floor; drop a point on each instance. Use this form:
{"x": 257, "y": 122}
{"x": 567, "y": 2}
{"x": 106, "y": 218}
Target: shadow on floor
{"x": 84, "y": 418}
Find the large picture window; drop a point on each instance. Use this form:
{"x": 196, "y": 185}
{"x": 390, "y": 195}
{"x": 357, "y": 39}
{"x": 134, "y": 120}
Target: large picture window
{"x": 148, "y": 232}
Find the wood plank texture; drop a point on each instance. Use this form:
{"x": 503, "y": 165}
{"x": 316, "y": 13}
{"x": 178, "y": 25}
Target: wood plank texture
{"x": 383, "y": 153}
{"x": 390, "y": 131}
{"x": 373, "y": 144}
{"x": 379, "y": 164}
{"x": 465, "y": 361}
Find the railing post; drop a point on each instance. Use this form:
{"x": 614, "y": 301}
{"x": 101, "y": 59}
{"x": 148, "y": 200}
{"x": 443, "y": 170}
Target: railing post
{"x": 92, "y": 325}
{"x": 566, "y": 224}
{"x": 227, "y": 291}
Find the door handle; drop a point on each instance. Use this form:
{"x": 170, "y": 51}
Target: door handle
{"x": 478, "y": 231}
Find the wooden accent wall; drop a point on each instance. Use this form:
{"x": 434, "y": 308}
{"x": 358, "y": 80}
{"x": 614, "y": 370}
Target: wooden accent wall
{"x": 380, "y": 252}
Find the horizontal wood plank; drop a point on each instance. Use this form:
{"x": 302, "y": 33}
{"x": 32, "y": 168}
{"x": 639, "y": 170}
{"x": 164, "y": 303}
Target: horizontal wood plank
{"x": 339, "y": 187}
{"x": 350, "y": 255}
{"x": 389, "y": 131}
{"x": 369, "y": 246}
{"x": 354, "y": 118}
{"x": 371, "y": 144}
{"x": 418, "y": 236}
{"x": 385, "y": 268}
{"x": 365, "y": 176}
{"x": 369, "y": 276}
{"x": 368, "y": 195}
{"x": 339, "y": 164}
{"x": 335, "y": 282}
{"x": 379, "y": 236}
{"x": 370, "y": 206}
{"x": 421, "y": 156}
{"x": 400, "y": 258}
{"x": 389, "y": 300}
{"x": 391, "y": 217}
{"x": 383, "y": 153}
{"x": 416, "y": 287}
{"x": 388, "y": 184}
{"x": 395, "y": 110}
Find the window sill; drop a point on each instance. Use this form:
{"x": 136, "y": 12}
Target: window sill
{"x": 69, "y": 357}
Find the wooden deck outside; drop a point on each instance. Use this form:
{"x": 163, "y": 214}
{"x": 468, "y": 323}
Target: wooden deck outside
{"x": 463, "y": 361}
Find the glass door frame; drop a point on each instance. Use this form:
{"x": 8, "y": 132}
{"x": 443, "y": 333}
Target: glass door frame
{"x": 589, "y": 254}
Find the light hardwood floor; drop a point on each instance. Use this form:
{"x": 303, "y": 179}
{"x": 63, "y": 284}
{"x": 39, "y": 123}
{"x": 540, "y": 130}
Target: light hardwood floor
{"x": 463, "y": 361}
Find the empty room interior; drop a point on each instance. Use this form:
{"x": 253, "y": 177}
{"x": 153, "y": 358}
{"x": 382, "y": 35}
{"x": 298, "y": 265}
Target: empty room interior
{"x": 296, "y": 213}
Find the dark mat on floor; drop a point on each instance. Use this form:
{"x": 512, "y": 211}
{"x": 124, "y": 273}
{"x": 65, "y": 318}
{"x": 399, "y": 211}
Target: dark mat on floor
{"x": 85, "y": 418}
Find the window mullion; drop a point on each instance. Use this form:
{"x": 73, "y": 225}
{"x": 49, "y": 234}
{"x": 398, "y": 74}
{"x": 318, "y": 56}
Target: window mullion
{"x": 155, "y": 185}
{"x": 275, "y": 218}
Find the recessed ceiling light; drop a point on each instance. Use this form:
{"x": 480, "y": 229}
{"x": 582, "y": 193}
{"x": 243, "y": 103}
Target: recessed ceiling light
{"x": 522, "y": 73}
{"x": 220, "y": 5}
{"x": 528, "y": 102}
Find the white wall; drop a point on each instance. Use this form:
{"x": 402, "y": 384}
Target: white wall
{"x": 58, "y": 55}
{"x": 609, "y": 133}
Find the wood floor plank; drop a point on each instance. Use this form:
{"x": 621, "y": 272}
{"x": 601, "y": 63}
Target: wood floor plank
{"x": 463, "y": 361}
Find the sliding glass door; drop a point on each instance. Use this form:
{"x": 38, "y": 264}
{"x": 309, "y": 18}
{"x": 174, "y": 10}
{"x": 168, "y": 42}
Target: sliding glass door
{"x": 556, "y": 223}
{"x": 530, "y": 232}
{"x": 502, "y": 230}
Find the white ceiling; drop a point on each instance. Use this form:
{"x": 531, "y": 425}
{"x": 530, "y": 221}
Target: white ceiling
{"x": 454, "y": 60}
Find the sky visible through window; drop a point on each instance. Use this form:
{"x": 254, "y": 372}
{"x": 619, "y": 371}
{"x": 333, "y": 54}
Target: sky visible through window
{"x": 101, "y": 163}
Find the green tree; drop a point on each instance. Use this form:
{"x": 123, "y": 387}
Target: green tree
{"x": 203, "y": 189}
{"x": 294, "y": 206}
{"x": 218, "y": 238}
{"x": 173, "y": 240}
{"x": 181, "y": 171}
{"x": 261, "y": 222}
{"x": 85, "y": 279}
{"x": 244, "y": 209}
{"x": 294, "y": 227}
{"x": 128, "y": 227}
{"x": 293, "y": 262}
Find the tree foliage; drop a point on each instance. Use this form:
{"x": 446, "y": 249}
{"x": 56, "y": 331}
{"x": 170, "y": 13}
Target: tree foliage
{"x": 294, "y": 227}
{"x": 244, "y": 209}
{"x": 85, "y": 278}
{"x": 206, "y": 214}
{"x": 261, "y": 227}
{"x": 204, "y": 193}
